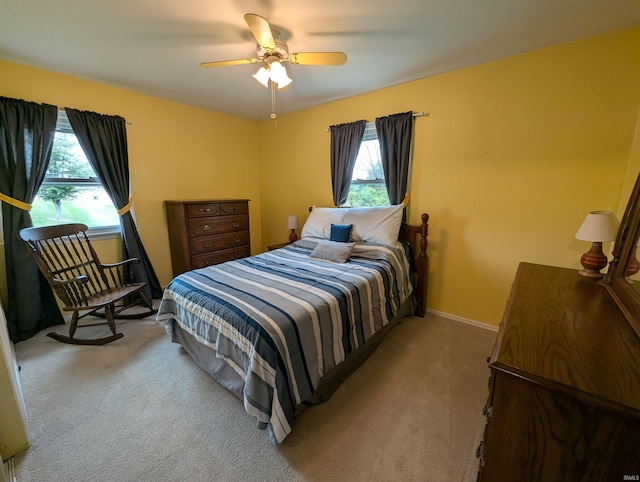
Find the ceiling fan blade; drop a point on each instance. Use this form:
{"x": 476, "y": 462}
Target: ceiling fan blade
{"x": 318, "y": 58}
{"x": 261, "y": 30}
{"x": 224, "y": 63}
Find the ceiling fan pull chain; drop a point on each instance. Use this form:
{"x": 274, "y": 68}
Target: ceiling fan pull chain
{"x": 273, "y": 100}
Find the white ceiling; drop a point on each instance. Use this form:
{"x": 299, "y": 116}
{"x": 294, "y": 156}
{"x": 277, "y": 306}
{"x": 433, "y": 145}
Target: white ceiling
{"x": 156, "y": 46}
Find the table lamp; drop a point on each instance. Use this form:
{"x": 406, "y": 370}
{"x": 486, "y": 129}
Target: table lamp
{"x": 598, "y": 227}
{"x": 293, "y": 224}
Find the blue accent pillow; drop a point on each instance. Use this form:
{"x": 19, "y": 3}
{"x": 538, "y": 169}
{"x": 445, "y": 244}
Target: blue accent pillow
{"x": 341, "y": 233}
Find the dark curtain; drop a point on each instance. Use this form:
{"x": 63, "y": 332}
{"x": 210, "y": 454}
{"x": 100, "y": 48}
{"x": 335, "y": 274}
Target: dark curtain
{"x": 345, "y": 144}
{"x": 26, "y": 139}
{"x": 104, "y": 141}
{"x": 394, "y": 136}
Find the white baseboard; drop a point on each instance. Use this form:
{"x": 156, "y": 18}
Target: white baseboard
{"x": 463, "y": 320}
{"x": 8, "y": 471}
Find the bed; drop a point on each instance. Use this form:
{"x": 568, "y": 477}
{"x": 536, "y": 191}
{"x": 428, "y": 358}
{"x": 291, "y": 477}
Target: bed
{"x": 283, "y": 329}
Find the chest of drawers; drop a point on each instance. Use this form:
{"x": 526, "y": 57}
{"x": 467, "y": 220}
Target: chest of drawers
{"x": 204, "y": 233}
{"x": 564, "y": 392}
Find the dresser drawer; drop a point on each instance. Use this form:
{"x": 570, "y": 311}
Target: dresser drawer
{"x": 210, "y": 259}
{"x": 221, "y": 224}
{"x": 221, "y": 241}
{"x": 202, "y": 209}
{"x": 234, "y": 208}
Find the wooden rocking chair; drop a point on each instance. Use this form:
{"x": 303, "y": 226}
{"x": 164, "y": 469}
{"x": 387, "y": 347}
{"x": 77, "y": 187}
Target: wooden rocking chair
{"x": 72, "y": 268}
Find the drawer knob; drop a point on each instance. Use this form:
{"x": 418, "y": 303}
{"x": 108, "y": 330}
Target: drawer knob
{"x": 238, "y": 255}
{"x": 237, "y": 240}
{"x": 208, "y": 262}
{"x": 234, "y": 208}
{"x": 487, "y": 411}
{"x": 480, "y": 450}
{"x": 206, "y": 227}
{"x": 205, "y": 210}
{"x": 236, "y": 224}
{"x": 207, "y": 244}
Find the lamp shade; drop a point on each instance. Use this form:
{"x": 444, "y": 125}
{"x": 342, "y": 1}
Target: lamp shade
{"x": 262, "y": 76}
{"x": 598, "y": 226}
{"x": 278, "y": 74}
{"x": 275, "y": 72}
{"x": 292, "y": 222}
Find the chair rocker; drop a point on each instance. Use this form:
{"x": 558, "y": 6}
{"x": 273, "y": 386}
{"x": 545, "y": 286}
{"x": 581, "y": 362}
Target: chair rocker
{"x": 68, "y": 261}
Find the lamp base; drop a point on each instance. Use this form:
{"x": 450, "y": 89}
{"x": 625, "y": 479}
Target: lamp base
{"x": 589, "y": 273}
{"x": 593, "y": 261}
{"x": 633, "y": 266}
{"x": 293, "y": 236}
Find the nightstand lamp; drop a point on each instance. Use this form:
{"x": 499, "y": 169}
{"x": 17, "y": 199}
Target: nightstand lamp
{"x": 598, "y": 227}
{"x": 293, "y": 224}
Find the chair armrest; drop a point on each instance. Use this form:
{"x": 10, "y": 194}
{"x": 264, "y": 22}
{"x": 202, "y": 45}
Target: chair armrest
{"x": 121, "y": 263}
{"x": 119, "y": 273}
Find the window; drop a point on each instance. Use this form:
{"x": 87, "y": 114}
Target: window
{"x": 367, "y": 182}
{"x": 71, "y": 191}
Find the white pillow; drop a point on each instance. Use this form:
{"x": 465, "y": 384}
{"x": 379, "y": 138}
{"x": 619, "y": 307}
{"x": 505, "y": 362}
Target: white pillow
{"x": 333, "y": 251}
{"x": 375, "y": 224}
{"x": 318, "y": 224}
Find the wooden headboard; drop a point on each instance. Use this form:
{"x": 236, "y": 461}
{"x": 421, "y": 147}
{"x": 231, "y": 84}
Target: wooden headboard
{"x": 416, "y": 236}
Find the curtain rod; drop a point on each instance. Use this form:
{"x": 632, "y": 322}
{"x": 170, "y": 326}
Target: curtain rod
{"x": 61, "y": 109}
{"x": 415, "y": 114}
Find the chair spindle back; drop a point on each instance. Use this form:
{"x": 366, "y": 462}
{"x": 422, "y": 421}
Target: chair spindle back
{"x": 67, "y": 259}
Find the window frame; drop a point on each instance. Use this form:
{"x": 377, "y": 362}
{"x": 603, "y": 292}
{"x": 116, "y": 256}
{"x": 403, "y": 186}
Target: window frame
{"x": 97, "y": 232}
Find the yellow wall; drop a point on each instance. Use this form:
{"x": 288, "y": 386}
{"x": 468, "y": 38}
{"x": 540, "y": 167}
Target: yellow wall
{"x": 175, "y": 152}
{"x": 512, "y": 156}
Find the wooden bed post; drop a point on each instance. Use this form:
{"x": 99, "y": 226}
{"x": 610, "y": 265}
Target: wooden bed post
{"x": 422, "y": 268}
{"x": 416, "y": 236}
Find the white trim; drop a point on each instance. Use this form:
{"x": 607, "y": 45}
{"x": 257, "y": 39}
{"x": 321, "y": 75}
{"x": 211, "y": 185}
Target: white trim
{"x": 463, "y": 320}
{"x": 8, "y": 473}
{"x": 105, "y": 232}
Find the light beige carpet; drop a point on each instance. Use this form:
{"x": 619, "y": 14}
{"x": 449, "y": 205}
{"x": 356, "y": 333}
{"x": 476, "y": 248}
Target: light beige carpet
{"x": 139, "y": 409}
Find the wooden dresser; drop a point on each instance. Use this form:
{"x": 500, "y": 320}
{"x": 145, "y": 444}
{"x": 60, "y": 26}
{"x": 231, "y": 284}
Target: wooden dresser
{"x": 203, "y": 233}
{"x": 564, "y": 390}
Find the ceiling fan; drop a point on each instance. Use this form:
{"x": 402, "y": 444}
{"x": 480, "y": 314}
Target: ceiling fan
{"x": 272, "y": 51}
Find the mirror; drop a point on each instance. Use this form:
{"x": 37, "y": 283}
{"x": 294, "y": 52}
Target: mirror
{"x": 625, "y": 293}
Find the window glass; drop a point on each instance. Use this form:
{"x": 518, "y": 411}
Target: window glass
{"x": 71, "y": 191}
{"x": 367, "y": 182}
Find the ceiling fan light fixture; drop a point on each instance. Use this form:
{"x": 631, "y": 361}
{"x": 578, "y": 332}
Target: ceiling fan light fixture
{"x": 262, "y": 76}
{"x": 278, "y": 74}
{"x": 272, "y": 51}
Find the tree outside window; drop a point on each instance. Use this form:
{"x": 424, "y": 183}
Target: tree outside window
{"x": 64, "y": 164}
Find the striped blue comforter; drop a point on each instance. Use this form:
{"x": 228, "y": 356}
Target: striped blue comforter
{"x": 282, "y": 319}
